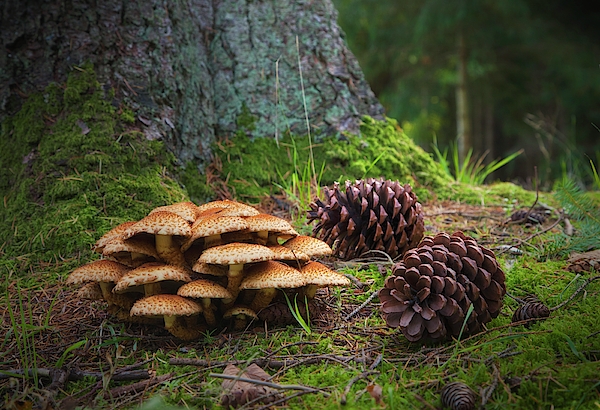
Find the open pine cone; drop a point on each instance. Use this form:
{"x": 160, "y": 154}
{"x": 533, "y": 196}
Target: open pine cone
{"x": 430, "y": 291}
{"x": 372, "y": 214}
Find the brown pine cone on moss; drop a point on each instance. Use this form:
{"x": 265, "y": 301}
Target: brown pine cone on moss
{"x": 372, "y": 214}
{"x": 531, "y": 309}
{"x": 458, "y": 396}
{"x": 534, "y": 217}
{"x": 431, "y": 289}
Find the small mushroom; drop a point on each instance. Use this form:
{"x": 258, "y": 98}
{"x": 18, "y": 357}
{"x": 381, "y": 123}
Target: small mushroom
{"x": 235, "y": 255}
{"x": 104, "y": 272}
{"x": 131, "y": 252}
{"x": 269, "y": 227}
{"x": 171, "y": 308}
{"x": 187, "y": 210}
{"x": 313, "y": 247}
{"x": 211, "y": 228}
{"x": 90, "y": 291}
{"x": 318, "y": 275}
{"x": 116, "y": 232}
{"x": 205, "y": 290}
{"x": 240, "y": 316}
{"x": 150, "y": 275}
{"x": 267, "y": 277}
{"x": 229, "y": 208}
{"x": 164, "y": 226}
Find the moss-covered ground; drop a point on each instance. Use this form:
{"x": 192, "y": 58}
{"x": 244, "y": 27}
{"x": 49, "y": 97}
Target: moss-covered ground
{"x": 74, "y": 165}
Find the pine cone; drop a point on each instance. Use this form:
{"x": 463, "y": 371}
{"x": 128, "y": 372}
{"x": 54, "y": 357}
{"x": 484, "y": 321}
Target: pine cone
{"x": 375, "y": 214}
{"x": 430, "y": 291}
{"x": 458, "y": 396}
{"x": 530, "y": 310}
{"x": 533, "y": 218}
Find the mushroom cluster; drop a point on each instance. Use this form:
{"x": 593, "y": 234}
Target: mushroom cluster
{"x": 193, "y": 268}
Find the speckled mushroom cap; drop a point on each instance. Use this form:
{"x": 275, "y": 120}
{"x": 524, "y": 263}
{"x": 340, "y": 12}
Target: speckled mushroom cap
{"x": 286, "y": 254}
{"x": 187, "y": 210}
{"x": 313, "y": 247}
{"x": 229, "y": 208}
{"x": 271, "y": 223}
{"x": 208, "y": 269}
{"x": 160, "y": 223}
{"x": 240, "y": 311}
{"x": 214, "y": 225}
{"x": 236, "y": 253}
{"x": 272, "y": 274}
{"x": 121, "y": 250}
{"x": 102, "y": 270}
{"x": 90, "y": 291}
{"x": 203, "y": 288}
{"x": 315, "y": 273}
{"x": 151, "y": 273}
{"x": 114, "y": 233}
{"x": 165, "y": 305}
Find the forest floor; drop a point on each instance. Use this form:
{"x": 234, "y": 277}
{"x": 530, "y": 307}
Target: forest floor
{"x": 82, "y": 356}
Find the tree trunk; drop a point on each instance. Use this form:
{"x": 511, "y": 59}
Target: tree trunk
{"x": 193, "y": 70}
{"x": 463, "y": 116}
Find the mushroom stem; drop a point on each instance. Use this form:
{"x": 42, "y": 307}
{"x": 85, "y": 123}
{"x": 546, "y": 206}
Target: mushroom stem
{"x": 168, "y": 250}
{"x": 152, "y": 289}
{"x": 310, "y": 291}
{"x": 106, "y": 290}
{"x": 234, "y": 279}
{"x": 209, "y": 315}
{"x": 262, "y": 237}
{"x": 263, "y": 298}
{"x": 176, "y": 326}
{"x": 212, "y": 240}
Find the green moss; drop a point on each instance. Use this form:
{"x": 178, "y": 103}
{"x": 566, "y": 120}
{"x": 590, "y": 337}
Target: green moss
{"x": 71, "y": 171}
{"x": 253, "y": 168}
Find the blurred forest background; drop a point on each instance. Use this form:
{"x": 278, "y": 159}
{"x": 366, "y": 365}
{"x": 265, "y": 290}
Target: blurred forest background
{"x": 502, "y": 75}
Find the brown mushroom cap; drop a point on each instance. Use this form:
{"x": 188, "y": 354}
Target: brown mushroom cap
{"x": 240, "y": 311}
{"x": 313, "y": 247}
{"x": 229, "y": 207}
{"x": 149, "y": 273}
{"x": 160, "y": 223}
{"x": 187, "y": 210}
{"x": 165, "y": 305}
{"x": 102, "y": 270}
{"x": 131, "y": 252}
{"x": 170, "y": 307}
{"x": 315, "y": 273}
{"x": 286, "y": 254}
{"x": 236, "y": 253}
{"x": 272, "y": 274}
{"x": 208, "y": 269}
{"x": 213, "y": 226}
{"x": 203, "y": 288}
{"x": 271, "y": 223}
{"x": 116, "y": 232}
{"x": 90, "y": 291}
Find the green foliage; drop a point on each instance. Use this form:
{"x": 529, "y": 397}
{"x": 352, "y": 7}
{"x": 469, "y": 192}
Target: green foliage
{"x": 583, "y": 210}
{"x": 304, "y": 323}
{"x": 516, "y": 68}
{"x": 71, "y": 171}
{"x": 469, "y": 170}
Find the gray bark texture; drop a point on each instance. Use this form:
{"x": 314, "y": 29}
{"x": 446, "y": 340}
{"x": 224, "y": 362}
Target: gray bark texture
{"x": 190, "y": 69}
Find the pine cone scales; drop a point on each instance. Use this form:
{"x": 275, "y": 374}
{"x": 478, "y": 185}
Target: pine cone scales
{"x": 372, "y": 214}
{"x": 430, "y": 291}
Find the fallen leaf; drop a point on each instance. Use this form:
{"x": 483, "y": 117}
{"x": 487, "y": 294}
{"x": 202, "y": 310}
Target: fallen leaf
{"x": 376, "y": 392}
{"x": 237, "y": 392}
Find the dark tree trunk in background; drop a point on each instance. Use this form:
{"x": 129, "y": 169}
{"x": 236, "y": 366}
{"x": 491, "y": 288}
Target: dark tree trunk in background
{"x": 189, "y": 69}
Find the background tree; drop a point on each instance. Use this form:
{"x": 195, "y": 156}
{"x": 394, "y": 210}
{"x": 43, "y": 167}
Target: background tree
{"x": 191, "y": 71}
{"x": 531, "y": 75}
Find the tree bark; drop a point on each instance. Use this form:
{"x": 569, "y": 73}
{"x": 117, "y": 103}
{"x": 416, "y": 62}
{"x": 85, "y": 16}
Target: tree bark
{"x": 193, "y": 70}
{"x": 463, "y": 115}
